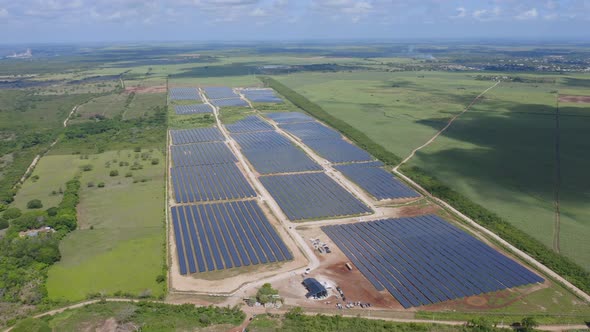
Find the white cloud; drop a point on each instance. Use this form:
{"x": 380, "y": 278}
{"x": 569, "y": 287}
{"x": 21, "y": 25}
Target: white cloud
{"x": 487, "y": 14}
{"x": 528, "y": 15}
{"x": 3, "y": 12}
{"x": 461, "y": 12}
{"x": 258, "y": 12}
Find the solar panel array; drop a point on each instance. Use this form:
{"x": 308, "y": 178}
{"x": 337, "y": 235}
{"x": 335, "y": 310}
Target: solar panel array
{"x": 327, "y": 142}
{"x": 202, "y": 154}
{"x": 196, "y": 135}
{"x": 337, "y": 150}
{"x": 289, "y": 117}
{"x": 310, "y": 130}
{"x": 424, "y": 260}
{"x": 261, "y": 95}
{"x": 270, "y": 152}
{"x": 221, "y": 236}
{"x": 209, "y": 183}
{"x": 311, "y": 196}
{"x": 231, "y": 102}
{"x": 184, "y": 94}
{"x": 376, "y": 181}
{"x": 193, "y": 109}
{"x": 220, "y": 92}
{"x": 248, "y": 124}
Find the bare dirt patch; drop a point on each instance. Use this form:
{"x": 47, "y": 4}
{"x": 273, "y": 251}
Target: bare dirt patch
{"x": 574, "y": 99}
{"x": 146, "y": 89}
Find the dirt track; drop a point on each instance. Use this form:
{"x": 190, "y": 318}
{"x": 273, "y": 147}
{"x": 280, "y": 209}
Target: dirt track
{"x": 574, "y": 99}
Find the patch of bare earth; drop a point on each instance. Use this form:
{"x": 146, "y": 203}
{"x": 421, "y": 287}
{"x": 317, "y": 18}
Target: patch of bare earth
{"x": 574, "y": 99}
{"x": 146, "y": 89}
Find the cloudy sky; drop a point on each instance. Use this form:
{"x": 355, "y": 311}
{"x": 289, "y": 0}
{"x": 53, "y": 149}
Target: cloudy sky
{"x": 131, "y": 20}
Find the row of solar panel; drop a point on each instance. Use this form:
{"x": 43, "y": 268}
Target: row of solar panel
{"x": 229, "y": 102}
{"x": 196, "y": 135}
{"x": 261, "y": 95}
{"x": 312, "y": 195}
{"x": 424, "y": 260}
{"x": 378, "y": 182}
{"x": 225, "y": 235}
{"x": 219, "y": 92}
{"x": 248, "y": 124}
{"x": 193, "y": 109}
{"x": 202, "y": 154}
{"x": 184, "y": 94}
{"x": 289, "y": 117}
{"x": 270, "y": 152}
{"x": 209, "y": 183}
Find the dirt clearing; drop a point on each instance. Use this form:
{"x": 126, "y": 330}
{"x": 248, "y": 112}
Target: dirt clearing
{"x": 574, "y": 99}
{"x": 146, "y": 89}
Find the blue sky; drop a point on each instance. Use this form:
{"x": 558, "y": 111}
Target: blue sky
{"x": 200, "y": 20}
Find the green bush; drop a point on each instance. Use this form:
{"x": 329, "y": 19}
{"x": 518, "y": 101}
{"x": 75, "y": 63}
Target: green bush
{"x": 3, "y": 223}
{"x": 34, "y": 204}
{"x": 114, "y": 173}
{"x": 100, "y": 185}
{"x": 12, "y": 213}
{"x": 86, "y": 168}
{"x": 155, "y": 161}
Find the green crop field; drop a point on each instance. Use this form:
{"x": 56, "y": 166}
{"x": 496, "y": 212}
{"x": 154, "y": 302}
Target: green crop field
{"x": 501, "y": 154}
{"x": 119, "y": 241}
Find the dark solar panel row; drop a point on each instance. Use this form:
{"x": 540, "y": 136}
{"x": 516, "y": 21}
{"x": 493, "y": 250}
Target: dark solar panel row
{"x": 337, "y": 150}
{"x": 270, "y": 152}
{"x": 310, "y": 130}
{"x": 248, "y": 124}
{"x": 424, "y": 260}
{"x": 378, "y": 182}
{"x": 225, "y": 235}
{"x": 196, "y": 135}
{"x": 193, "y": 109}
{"x": 312, "y": 195}
{"x": 228, "y": 102}
{"x": 209, "y": 183}
{"x": 184, "y": 94}
{"x": 219, "y": 92}
{"x": 261, "y": 95}
{"x": 289, "y": 117}
{"x": 202, "y": 154}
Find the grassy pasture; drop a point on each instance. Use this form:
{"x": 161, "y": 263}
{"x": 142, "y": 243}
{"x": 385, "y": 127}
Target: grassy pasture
{"x": 500, "y": 154}
{"x": 107, "y": 106}
{"x": 118, "y": 245}
{"x": 142, "y": 103}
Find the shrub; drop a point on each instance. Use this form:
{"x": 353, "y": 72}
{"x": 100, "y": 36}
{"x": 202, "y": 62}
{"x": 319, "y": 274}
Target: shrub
{"x": 12, "y": 213}
{"x": 90, "y": 184}
{"x": 114, "y": 172}
{"x": 160, "y": 278}
{"x": 52, "y": 211}
{"x": 34, "y": 204}
{"x": 155, "y": 161}
{"x": 137, "y": 149}
{"x": 101, "y": 185}
{"x": 4, "y": 224}
{"x": 86, "y": 168}
{"x": 128, "y": 174}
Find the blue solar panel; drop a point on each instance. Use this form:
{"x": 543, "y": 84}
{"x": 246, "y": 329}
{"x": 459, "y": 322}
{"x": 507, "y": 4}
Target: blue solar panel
{"x": 196, "y": 135}
{"x": 248, "y": 124}
{"x": 310, "y": 130}
{"x": 311, "y": 196}
{"x": 424, "y": 260}
{"x": 289, "y": 117}
{"x": 270, "y": 152}
{"x": 376, "y": 181}
{"x": 209, "y": 183}
{"x": 219, "y": 92}
{"x": 193, "y": 109}
{"x": 202, "y": 154}
{"x": 337, "y": 150}
{"x": 229, "y": 102}
{"x": 225, "y": 235}
{"x": 261, "y": 95}
{"x": 184, "y": 94}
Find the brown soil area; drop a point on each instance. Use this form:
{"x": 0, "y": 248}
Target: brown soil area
{"x": 574, "y": 99}
{"x": 146, "y": 89}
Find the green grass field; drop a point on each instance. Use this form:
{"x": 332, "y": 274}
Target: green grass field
{"x": 142, "y": 103}
{"x": 107, "y": 106}
{"x": 119, "y": 241}
{"x": 500, "y": 154}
